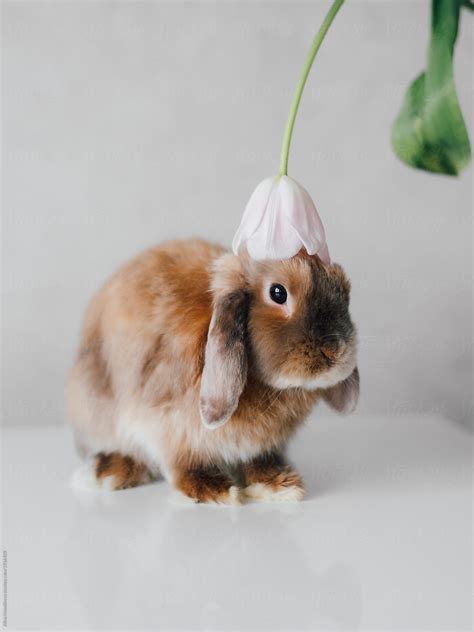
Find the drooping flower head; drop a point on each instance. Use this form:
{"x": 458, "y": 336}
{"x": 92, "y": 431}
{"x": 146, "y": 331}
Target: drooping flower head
{"x": 279, "y": 220}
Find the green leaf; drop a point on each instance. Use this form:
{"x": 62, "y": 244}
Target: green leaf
{"x": 430, "y": 133}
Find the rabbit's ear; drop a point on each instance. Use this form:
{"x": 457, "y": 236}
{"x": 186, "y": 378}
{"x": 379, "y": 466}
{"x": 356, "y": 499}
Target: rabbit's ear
{"x": 344, "y": 396}
{"x": 225, "y": 362}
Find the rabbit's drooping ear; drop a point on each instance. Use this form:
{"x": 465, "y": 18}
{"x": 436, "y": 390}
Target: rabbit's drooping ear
{"x": 344, "y": 396}
{"x": 225, "y": 363}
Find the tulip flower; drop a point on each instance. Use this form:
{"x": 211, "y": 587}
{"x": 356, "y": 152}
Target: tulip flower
{"x": 280, "y": 218}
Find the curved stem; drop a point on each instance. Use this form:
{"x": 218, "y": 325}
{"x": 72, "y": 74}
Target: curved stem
{"x": 315, "y": 46}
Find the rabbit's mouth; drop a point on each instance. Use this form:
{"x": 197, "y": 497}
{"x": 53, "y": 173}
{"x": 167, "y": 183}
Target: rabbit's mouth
{"x": 320, "y": 375}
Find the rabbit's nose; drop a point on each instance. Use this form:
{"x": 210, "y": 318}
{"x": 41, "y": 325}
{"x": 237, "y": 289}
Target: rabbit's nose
{"x": 333, "y": 350}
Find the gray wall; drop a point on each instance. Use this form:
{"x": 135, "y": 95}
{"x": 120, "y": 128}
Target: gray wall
{"x": 126, "y": 123}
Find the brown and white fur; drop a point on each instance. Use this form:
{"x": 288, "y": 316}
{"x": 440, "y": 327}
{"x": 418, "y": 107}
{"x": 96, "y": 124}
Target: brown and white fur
{"x": 186, "y": 367}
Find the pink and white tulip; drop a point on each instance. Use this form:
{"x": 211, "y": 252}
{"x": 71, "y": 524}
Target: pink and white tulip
{"x": 279, "y": 220}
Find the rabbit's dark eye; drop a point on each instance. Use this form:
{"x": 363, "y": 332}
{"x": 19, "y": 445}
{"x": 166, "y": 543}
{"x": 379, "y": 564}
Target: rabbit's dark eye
{"x": 278, "y": 293}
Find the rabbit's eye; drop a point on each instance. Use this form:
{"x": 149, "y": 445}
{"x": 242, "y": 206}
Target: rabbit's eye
{"x": 278, "y": 293}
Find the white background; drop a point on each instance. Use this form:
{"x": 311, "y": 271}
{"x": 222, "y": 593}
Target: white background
{"x": 127, "y": 123}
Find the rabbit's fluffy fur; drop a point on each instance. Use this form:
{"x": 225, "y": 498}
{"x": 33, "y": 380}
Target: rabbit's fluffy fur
{"x": 186, "y": 367}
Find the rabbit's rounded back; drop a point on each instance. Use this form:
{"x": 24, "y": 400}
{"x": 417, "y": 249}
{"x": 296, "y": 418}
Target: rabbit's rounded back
{"x": 142, "y": 342}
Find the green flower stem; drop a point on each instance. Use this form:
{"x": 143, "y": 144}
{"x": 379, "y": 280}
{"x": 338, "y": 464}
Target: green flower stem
{"x": 315, "y": 46}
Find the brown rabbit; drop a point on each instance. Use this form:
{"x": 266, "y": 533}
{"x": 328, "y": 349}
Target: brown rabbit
{"x": 195, "y": 363}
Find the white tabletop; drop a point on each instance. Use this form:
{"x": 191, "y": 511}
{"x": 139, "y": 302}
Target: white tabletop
{"x": 383, "y": 540}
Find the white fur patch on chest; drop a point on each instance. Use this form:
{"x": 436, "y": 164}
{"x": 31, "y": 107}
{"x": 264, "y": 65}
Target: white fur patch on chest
{"x": 242, "y": 449}
{"x": 156, "y": 438}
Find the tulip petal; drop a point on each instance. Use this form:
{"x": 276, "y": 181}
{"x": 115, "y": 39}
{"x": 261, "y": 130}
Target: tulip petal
{"x": 253, "y": 213}
{"x": 274, "y": 239}
{"x": 304, "y": 218}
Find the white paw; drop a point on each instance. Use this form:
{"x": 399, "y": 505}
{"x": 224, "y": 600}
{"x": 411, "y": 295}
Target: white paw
{"x": 84, "y": 478}
{"x": 233, "y": 496}
{"x": 260, "y": 491}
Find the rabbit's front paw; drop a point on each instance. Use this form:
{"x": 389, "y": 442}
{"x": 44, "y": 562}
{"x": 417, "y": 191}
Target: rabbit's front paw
{"x": 269, "y": 478}
{"x": 282, "y": 493}
{"x": 208, "y": 485}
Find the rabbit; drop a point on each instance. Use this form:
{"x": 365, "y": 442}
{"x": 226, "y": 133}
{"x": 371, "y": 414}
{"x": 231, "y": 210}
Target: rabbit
{"x": 199, "y": 365}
